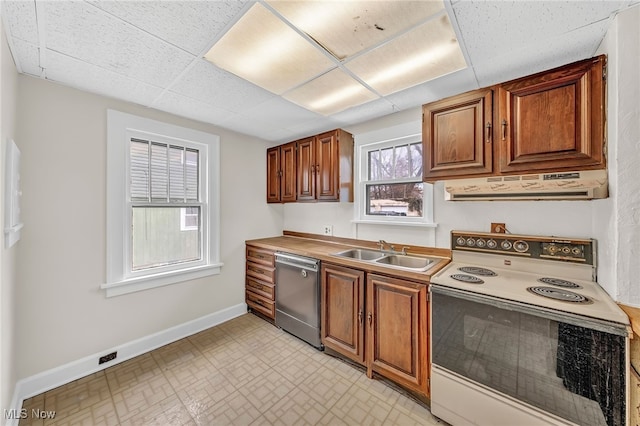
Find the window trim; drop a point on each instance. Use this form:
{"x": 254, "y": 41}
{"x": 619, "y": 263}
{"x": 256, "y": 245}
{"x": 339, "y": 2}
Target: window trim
{"x": 399, "y": 135}
{"x": 119, "y": 279}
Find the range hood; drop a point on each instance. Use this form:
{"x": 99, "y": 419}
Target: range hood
{"x": 580, "y": 185}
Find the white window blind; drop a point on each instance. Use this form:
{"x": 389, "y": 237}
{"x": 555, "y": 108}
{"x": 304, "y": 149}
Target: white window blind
{"x": 163, "y": 173}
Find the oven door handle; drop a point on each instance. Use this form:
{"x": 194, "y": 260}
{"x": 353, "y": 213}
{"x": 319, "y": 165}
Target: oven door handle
{"x": 539, "y": 311}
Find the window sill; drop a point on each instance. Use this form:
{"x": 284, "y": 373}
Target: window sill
{"x": 158, "y": 280}
{"x": 395, "y": 223}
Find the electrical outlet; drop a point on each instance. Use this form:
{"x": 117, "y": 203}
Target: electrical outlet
{"x": 107, "y": 358}
{"x": 328, "y": 230}
{"x": 498, "y": 228}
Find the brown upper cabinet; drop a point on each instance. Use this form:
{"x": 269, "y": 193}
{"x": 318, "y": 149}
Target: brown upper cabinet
{"x": 458, "y": 135}
{"x": 281, "y": 173}
{"x": 554, "y": 120}
{"x": 550, "y": 121}
{"x": 325, "y": 167}
{"x": 317, "y": 168}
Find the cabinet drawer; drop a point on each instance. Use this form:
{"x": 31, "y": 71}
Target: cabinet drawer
{"x": 260, "y": 304}
{"x": 634, "y": 409}
{"x": 261, "y": 288}
{"x": 261, "y": 256}
{"x": 261, "y": 272}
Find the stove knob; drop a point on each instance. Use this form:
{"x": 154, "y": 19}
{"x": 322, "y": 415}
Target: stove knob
{"x": 480, "y": 242}
{"x": 461, "y": 241}
{"x": 576, "y": 251}
{"x": 506, "y": 245}
{"x": 553, "y": 249}
{"x": 492, "y": 244}
{"x": 566, "y": 250}
{"x": 521, "y": 246}
{"x": 471, "y": 242}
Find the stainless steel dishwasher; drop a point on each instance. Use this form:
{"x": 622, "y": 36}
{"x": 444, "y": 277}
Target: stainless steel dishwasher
{"x": 298, "y": 297}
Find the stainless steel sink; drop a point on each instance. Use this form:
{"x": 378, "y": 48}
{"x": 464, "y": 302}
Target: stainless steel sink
{"x": 360, "y": 254}
{"x": 406, "y": 262}
{"x": 398, "y": 261}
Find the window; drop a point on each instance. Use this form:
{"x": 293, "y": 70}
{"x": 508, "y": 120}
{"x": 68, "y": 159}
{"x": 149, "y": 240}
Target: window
{"x": 162, "y": 204}
{"x": 390, "y": 187}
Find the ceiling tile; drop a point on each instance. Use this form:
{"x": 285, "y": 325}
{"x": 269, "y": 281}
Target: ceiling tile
{"x": 27, "y": 56}
{"x": 332, "y": 92}
{"x": 191, "y": 108}
{"x": 442, "y": 87}
{"x": 423, "y": 54}
{"x": 92, "y": 78}
{"x": 21, "y": 20}
{"x": 208, "y": 83}
{"x": 370, "y": 110}
{"x": 346, "y": 28}
{"x": 190, "y": 25}
{"x": 496, "y": 27}
{"x": 531, "y": 58}
{"x": 91, "y": 35}
{"x": 280, "y": 112}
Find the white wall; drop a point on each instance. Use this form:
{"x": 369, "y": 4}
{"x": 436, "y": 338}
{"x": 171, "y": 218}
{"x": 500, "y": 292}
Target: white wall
{"x": 63, "y": 314}
{"x": 8, "y": 355}
{"x": 614, "y": 222}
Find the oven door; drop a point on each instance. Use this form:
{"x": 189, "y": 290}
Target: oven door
{"x": 503, "y": 359}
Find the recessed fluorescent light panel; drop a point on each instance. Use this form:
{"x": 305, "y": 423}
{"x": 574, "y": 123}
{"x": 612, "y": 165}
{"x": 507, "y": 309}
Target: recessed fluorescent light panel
{"x": 328, "y": 56}
{"x": 345, "y": 28}
{"x": 331, "y": 93}
{"x": 265, "y": 51}
{"x": 427, "y": 52}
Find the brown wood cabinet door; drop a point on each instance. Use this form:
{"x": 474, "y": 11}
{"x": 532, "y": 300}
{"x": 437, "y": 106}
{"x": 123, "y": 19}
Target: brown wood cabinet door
{"x": 288, "y": 172}
{"x": 397, "y": 331}
{"x": 306, "y": 169}
{"x": 327, "y": 166}
{"x": 553, "y": 120}
{"x": 342, "y": 316}
{"x": 273, "y": 175}
{"x": 457, "y": 136}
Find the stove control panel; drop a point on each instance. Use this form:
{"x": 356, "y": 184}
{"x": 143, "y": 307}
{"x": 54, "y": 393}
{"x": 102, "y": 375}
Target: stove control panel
{"x": 553, "y": 248}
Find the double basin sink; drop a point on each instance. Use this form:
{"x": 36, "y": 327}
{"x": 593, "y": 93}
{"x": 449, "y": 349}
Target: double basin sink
{"x": 393, "y": 260}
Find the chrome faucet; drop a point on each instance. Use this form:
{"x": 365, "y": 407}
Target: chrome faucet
{"x": 382, "y": 243}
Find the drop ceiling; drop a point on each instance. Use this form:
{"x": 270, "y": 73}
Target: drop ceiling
{"x": 152, "y": 53}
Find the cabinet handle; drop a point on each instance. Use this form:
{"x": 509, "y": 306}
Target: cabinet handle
{"x": 317, "y": 168}
{"x": 360, "y": 316}
{"x": 369, "y": 318}
{"x": 504, "y": 129}
{"x": 313, "y": 168}
{"x": 488, "y": 126}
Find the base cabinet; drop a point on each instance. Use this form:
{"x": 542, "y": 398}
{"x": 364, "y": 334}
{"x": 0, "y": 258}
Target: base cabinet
{"x": 397, "y": 331}
{"x": 380, "y": 323}
{"x": 260, "y": 285}
{"x": 342, "y": 302}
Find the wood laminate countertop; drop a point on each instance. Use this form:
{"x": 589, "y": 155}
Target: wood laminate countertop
{"x": 634, "y": 317}
{"x": 323, "y": 248}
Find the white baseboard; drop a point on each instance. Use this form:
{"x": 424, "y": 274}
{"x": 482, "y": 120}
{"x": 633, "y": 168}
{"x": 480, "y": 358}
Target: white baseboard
{"x": 50, "y": 379}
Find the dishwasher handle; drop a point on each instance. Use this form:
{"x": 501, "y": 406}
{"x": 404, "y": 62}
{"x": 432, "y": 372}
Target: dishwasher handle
{"x": 297, "y": 261}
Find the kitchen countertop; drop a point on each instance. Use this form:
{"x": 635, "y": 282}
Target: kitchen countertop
{"x": 322, "y": 247}
{"x": 634, "y": 317}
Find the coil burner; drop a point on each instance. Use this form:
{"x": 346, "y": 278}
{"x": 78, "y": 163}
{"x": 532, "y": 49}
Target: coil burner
{"x": 467, "y": 278}
{"x": 476, "y": 270}
{"x": 559, "y": 283}
{"x": 558, "y": 294}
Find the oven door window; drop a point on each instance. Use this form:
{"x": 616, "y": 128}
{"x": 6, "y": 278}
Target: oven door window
{"x": 572, "y": 371}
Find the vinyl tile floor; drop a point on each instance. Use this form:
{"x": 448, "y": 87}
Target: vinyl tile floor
{"x": 242, "y": 372}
